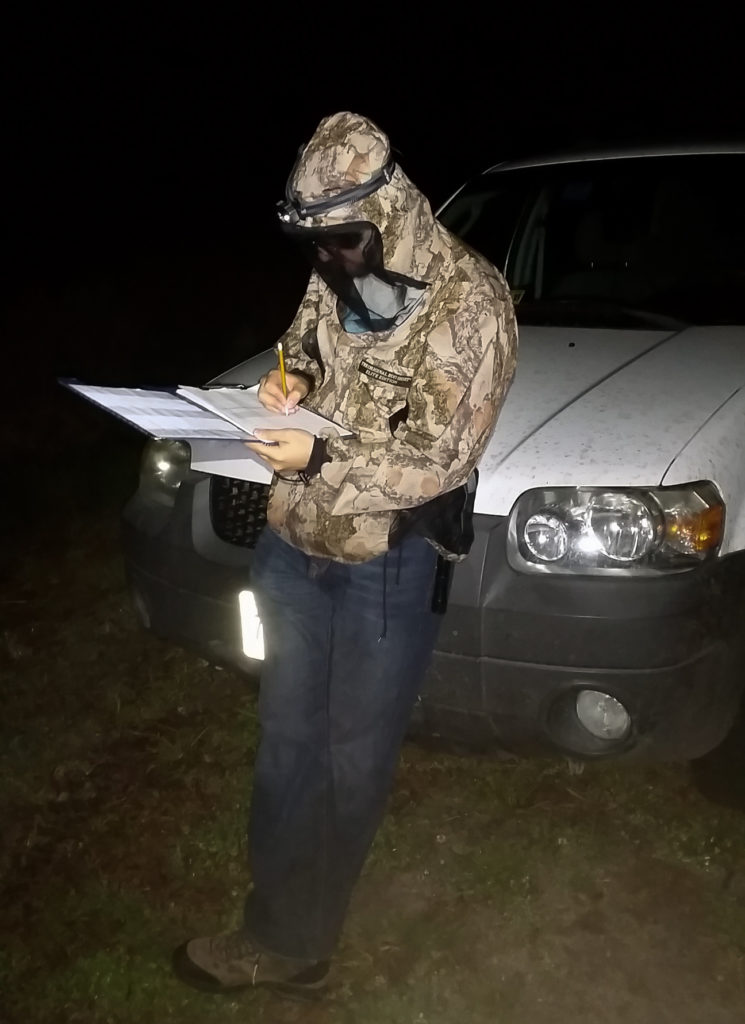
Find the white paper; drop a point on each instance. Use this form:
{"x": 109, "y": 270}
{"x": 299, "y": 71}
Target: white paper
{"x": 229, "y": 458}
{"x": 213, "y": 421}
{"x": 243, "y": 408}
{"x": 161, "y": 414}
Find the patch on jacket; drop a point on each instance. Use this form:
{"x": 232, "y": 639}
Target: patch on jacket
{"x": 381, "y": 374}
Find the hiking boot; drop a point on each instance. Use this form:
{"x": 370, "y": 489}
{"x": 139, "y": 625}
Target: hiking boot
{"x": 231, "y": 961}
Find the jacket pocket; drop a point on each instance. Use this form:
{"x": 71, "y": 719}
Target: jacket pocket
{"x": 371, "y": 404}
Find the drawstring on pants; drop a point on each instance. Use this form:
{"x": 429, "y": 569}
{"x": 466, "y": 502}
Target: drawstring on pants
{"x": 385, "y": 587}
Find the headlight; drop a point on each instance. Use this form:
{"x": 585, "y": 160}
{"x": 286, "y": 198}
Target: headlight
{"x": 599, "y": 530}
{"x": 164, "y": 465}
{"x": 546, "y": 536}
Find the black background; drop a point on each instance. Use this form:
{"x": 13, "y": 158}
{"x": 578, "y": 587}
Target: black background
{"x": 146, "y": 153}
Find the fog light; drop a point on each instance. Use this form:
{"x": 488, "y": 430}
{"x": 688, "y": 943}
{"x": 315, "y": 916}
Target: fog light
{"x": 602, "y": 715}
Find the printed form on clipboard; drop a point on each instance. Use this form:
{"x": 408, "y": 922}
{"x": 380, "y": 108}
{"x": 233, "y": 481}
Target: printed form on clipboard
{"x": 212, "y": 421}
{"x": 241, "y": 406}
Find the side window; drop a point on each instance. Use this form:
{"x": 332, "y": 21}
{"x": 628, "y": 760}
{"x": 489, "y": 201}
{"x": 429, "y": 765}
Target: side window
{"x": 486, "y": 215}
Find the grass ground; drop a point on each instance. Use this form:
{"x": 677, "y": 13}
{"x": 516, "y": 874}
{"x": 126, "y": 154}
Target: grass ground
{"x": 508, "y": 892}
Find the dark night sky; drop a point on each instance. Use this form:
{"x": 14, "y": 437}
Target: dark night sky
{"x": 146, "y": 157}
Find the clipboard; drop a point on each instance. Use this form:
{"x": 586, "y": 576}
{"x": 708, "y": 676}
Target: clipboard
{"x": 213, "y": 421}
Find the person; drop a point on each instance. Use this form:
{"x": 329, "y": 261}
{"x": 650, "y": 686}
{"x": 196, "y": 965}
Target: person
{"x": 407, "y": 338}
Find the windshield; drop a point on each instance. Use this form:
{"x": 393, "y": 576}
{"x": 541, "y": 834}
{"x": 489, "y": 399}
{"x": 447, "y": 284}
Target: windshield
{"x": 627, "y": 242}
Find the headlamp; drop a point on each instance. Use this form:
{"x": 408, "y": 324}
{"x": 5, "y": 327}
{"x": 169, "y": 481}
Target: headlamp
{"x": 292, "y": 209}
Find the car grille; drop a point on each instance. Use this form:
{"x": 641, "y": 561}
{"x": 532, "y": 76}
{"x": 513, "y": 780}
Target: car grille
{"x": 238, "y": 510}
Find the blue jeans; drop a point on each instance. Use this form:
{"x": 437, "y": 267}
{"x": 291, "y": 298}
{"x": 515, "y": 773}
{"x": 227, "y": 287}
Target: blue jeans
{"x": 346, "y": 647}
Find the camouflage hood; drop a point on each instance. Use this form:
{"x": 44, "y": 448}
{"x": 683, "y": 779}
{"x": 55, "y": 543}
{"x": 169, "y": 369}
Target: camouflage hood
{"x": 348, "y": 156}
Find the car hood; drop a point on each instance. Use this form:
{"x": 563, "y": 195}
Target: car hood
{"x": 605, "y": 407}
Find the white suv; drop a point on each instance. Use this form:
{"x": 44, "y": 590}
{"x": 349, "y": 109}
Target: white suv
{"x": 601, "y": 611}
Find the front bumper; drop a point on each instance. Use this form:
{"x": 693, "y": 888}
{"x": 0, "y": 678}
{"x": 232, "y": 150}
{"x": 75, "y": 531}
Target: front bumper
{"x": 513, "y": 650}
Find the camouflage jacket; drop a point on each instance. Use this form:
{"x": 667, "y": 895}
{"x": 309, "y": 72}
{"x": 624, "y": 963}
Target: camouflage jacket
{"x": 421, "y": 399}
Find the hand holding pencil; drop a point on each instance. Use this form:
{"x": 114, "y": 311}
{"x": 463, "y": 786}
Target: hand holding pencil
{"x": 280, "y": 390}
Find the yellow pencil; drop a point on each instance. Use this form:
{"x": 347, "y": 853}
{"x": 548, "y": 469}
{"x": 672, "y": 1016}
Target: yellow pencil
{"x": 281, "y": 360}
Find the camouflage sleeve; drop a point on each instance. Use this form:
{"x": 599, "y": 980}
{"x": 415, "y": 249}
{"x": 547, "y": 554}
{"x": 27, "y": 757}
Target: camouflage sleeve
{"x": 296, "y": 337}
{"x": 453, "y": 406}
